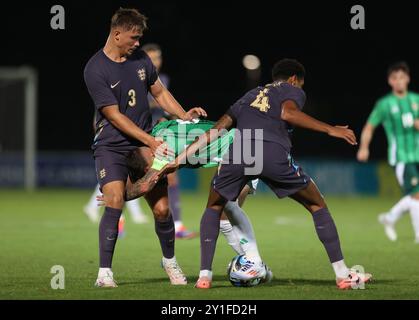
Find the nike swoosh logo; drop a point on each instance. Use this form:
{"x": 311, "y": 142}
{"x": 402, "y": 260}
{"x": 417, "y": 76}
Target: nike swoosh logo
{"x": 110, "y": 239}
{"x": 114, "y": 85}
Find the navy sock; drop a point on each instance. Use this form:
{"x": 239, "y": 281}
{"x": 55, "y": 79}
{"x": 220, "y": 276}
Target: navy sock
{"x": 174, "y": 202}
{"x": 108, "y": 234}
{"x": 210, "y": 227}
{"x": 165, "y": 230}
{"x": 328, "y": 234}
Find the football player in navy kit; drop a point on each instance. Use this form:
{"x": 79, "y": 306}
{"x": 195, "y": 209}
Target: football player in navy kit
{"x": 274, "y": 109}
{"x": 119, "y": 77}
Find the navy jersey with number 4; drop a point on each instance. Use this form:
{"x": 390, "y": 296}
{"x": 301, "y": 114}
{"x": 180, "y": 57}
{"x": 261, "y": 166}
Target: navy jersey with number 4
{"x": 261, "y": 108}
{"x": 125, "y": 84}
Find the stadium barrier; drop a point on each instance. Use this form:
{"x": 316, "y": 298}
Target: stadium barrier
{"x": 77, "y": 170}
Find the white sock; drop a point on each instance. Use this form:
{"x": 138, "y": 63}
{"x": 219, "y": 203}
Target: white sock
{"x": 92, "y": 204}
{"x": 205, "y": 273}
{"x": 227, "y": 230}
{"x": 178, "y": 225}
{"x": 414, "y": 214}
{"x": 134, "y": 208}
{"x": 340, "y": 268}
{"x": 171, "y": 260}
{"x": 398, "y": 209}
{"x": 104, "y": 272}
{"x": 243, "y": 229}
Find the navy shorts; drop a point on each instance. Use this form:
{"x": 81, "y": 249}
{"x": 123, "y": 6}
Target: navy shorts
{"x": 118, "y": 165}
{"x": 111, "y": 165}
{"x": 279, "y": 171}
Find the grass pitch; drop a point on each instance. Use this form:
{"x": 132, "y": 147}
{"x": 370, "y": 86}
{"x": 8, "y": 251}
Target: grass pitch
{"x": 48, "y": 227}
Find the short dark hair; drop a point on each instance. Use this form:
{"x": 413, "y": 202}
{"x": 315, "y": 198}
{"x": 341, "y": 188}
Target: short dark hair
{"x": 398, "y": 66}
{"x": 286, "y": 68}
{"x": 128, "y": 18}
{"x": 151, "y": 47}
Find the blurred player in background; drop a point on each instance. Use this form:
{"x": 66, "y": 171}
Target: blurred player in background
{"x": 398, "y": 112}
{"x": 158, "y": 114}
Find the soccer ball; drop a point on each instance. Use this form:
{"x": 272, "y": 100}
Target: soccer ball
{"x": 240, "y": 272}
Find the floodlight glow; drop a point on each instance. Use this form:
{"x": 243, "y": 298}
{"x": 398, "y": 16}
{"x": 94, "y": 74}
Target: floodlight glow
{"x": 251, "y": 62}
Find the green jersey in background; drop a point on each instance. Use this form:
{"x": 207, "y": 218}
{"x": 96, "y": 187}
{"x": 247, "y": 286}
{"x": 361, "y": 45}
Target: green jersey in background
{"x": 397, "y": 116}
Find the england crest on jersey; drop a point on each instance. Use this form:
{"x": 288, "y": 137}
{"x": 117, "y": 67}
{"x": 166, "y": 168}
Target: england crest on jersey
{"x": 141, "y": 74}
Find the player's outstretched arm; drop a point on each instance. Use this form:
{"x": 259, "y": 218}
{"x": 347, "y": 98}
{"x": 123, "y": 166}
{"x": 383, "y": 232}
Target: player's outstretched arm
{"x": 366, "y": 137}
{"x": 165, "y": 99}
{"x": 293, "y": 115}
{"x": 134, "y": 190}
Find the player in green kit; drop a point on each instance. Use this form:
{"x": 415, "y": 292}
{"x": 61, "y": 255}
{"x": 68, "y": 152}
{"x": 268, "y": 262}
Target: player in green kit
{"x": 398, "y": 112}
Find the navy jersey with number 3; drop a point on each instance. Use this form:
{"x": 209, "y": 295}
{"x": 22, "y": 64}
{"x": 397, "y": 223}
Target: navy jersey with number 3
{"x": 125, "y": 84}
{"x": 261, "y": 108}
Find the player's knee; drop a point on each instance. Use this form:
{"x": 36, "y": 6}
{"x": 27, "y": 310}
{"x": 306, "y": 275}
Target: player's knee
{"x": 316, "y": 207}
{"x": 115, "y": 200}
{"x": 161, "y": 212}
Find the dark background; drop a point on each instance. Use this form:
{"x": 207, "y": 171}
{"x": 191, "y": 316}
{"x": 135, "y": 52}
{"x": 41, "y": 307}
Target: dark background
{"x": 203, "y": 45}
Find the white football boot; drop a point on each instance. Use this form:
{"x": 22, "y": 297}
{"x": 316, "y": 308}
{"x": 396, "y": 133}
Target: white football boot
{"x": 354, "y": 280}
{"x": 105, "y": 279}
{"x": 173, "y": 270}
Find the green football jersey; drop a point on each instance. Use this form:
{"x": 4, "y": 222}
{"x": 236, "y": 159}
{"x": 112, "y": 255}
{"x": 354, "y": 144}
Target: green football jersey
{"x": 180, "y": 134}
{"x": 397, "y": 116}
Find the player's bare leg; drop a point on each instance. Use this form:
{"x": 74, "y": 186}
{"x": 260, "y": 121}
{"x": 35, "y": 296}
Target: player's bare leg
{"x": 158, "y": 201}
{"x": 313, "y": 201}
{"x": 113, "y": 193}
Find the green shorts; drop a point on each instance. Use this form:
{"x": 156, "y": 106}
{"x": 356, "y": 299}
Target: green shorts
{"x": 408, "y": 176}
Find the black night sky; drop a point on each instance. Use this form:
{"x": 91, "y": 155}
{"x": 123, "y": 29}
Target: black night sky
{"x": 203, "y": 45}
